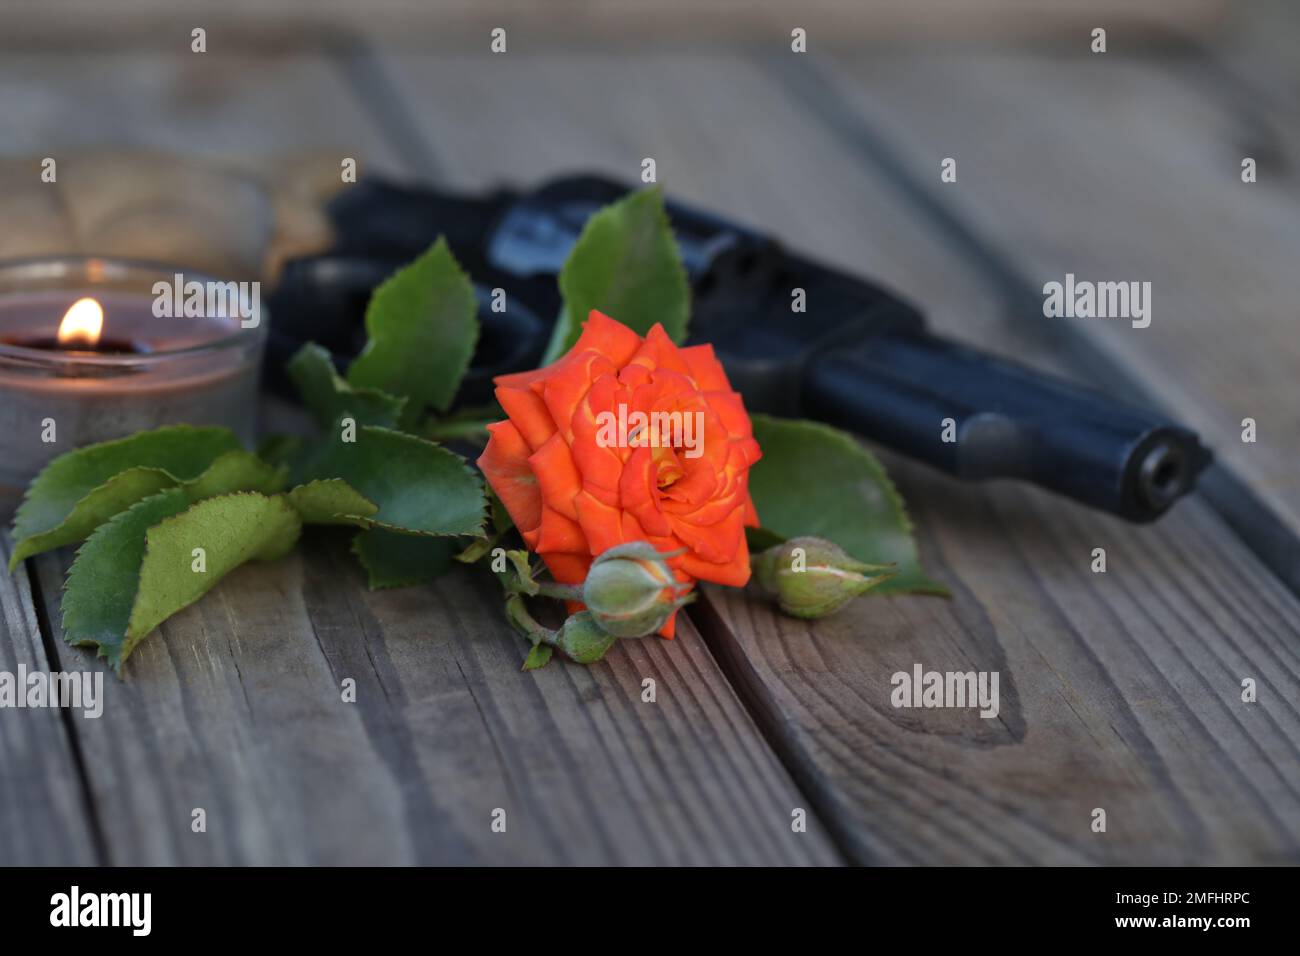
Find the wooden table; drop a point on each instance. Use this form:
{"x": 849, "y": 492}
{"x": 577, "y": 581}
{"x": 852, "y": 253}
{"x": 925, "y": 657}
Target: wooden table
{"x": 1119, "y": 690}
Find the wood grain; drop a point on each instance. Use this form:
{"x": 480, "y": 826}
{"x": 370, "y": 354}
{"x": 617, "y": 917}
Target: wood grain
{"x": 1119, "y": 167}
{"x": 44, "y": 815}
{"x": 236, "y": 706}
{"x": 1120, "y": 690}
{"x": 231, "y": 103}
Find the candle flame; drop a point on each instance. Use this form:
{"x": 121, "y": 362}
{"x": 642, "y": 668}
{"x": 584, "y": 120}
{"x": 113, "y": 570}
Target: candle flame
{"x": 82, "y": 323}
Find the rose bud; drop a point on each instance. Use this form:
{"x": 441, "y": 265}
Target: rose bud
{"x": 630, "y": 590}
{"x": 583, "y": 640}
{"x": 812, "y": 577}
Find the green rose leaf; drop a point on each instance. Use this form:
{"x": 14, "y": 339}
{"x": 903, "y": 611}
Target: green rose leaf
{"x": 419, "y": 487}
{"x": 477, "y": 548}
{"x": 539, "y": 656}
{"x": 499, "y": 523}
{"x": 80, "y": 490}
{"x": 139, "y": 568}
{"x": 760, "y": 539}
{"x": 113, "y": 496}
{"x": 329, "y": 396}
{"x": 627, "y": 265}
{"x": 286, "y": 450}
{"x": 395, "y": 560}
{"x": 332, "y": 501}
{"x": 104, "y": 579}
{"x": 465, "y": 424}
{"x": 817, "y": 481}
{"x": 230, "y": 472}
{"x": 423, "y": 324}
{"x": 237, "y": 471}
{"x": 500, "y": 517}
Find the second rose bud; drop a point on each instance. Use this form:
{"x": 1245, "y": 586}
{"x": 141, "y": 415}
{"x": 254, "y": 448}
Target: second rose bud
{"x": 812, "y": 577}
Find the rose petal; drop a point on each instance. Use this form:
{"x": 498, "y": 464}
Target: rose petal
{"x": 716, "y": 543}
{"x": 556, "y": 533}
{"x": 638, "y": 492}
{"x": 505, "y": 465}
{"x": 659, "y": 351}
{"x": 569, "y": 385}
{"x": 601, "y": 523}
{"x": 557, "y": 475}
{"x": 599, "y": 460}
{"x": 669, "y": 630}
{"x": 705, "y": 368}
{"x": 568, "y": 568}
{"x": 734, "y": 573}
{"x": 730, "y": 409}
{"x": 528, "y": 413}
{"x": 612, "y": 339}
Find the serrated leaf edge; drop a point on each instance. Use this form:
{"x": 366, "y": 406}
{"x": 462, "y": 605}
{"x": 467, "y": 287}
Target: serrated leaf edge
{"x": 439, "y": 245}
{"x": 557, "y": 347}
{"x": 54, "y": 462}
{"x": 342, "y": 387}
{"x": 18, "y": 554}
{"x": 465, "y": 466}
{"x": 129, "y": 643}
{"x": 67, "y": 579}
{"x": 362, "y": 521}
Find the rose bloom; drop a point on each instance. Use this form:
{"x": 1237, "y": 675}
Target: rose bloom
{"x": 573, "y": 493}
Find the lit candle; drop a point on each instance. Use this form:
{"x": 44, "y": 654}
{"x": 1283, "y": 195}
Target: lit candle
{"x": 87, "y": 355}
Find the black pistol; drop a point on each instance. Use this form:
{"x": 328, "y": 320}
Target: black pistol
{"x": 857, "y": 356}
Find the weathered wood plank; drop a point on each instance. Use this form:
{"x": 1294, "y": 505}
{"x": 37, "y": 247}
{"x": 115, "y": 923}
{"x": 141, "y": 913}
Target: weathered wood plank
{"x": 1120, "y": 690}
{"x": 1125, "y": 168}
{"x": 235, "y": 706}
{"x": 230, "y": 103}
{"x": 1258, "y": 55}
{"x": 44, "y": 817}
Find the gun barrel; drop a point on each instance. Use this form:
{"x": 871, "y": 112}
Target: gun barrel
{"x": 977, "y": 416}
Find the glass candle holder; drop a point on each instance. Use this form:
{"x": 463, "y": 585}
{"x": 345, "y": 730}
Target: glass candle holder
{"x": 142, "y": 370}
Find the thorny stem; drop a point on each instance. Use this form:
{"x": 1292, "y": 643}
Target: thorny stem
{"x": 525, "y": 623}
{"x": 474, "y": 432}
{"x": 563, "y": 592}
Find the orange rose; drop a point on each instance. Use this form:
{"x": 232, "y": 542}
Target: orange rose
{"x": 627, "y": 439}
